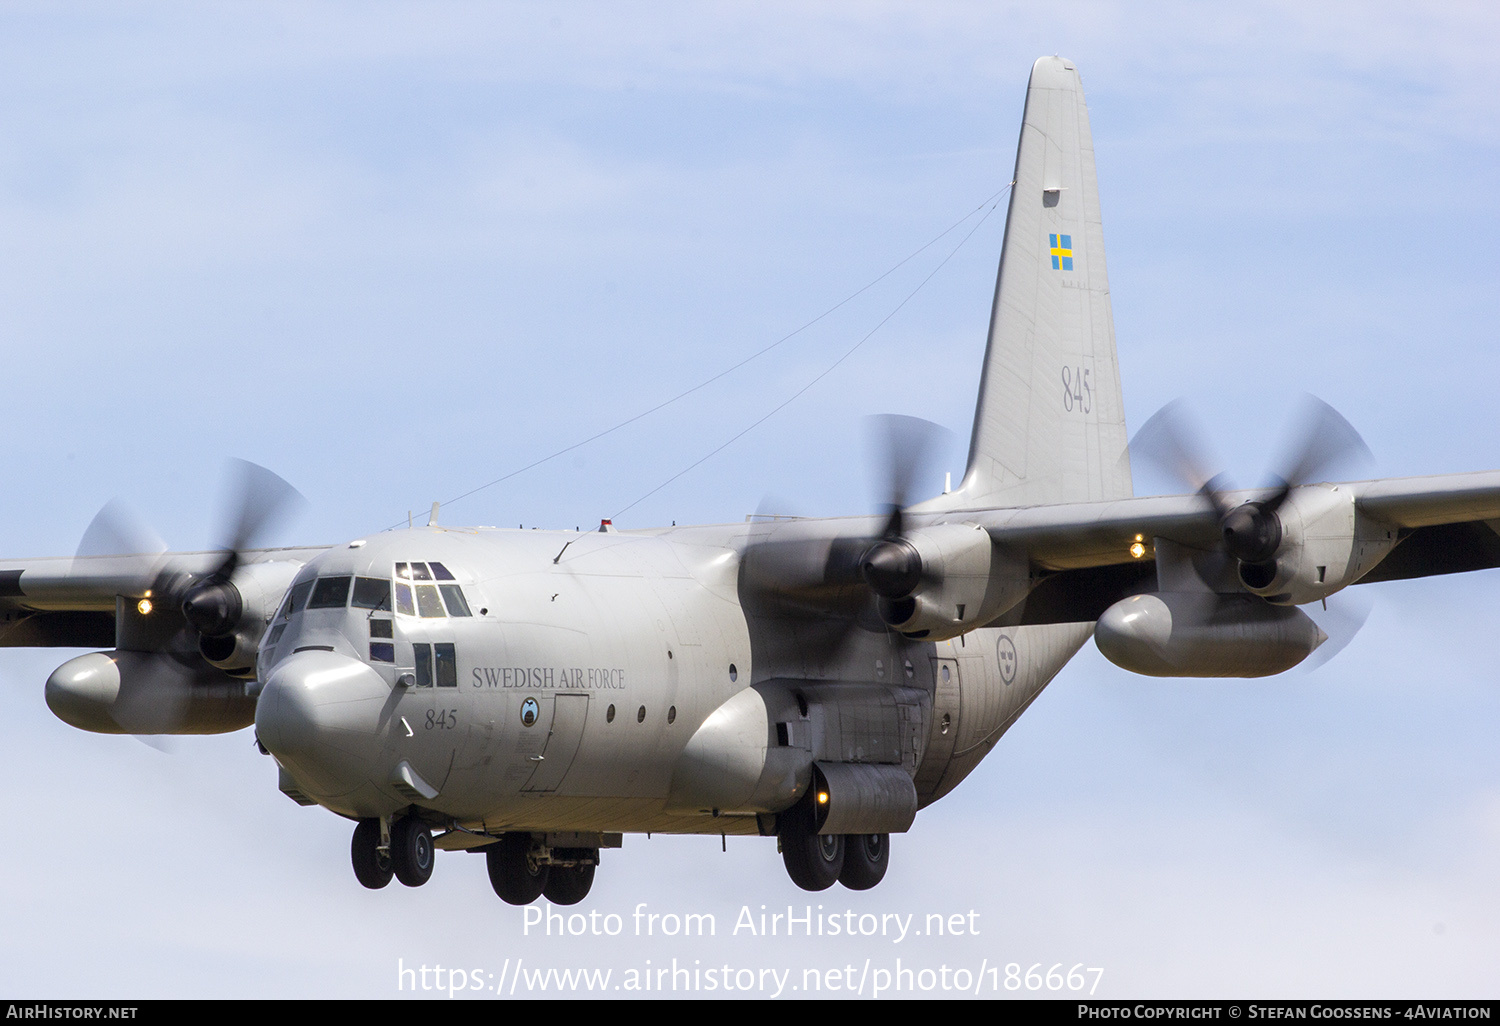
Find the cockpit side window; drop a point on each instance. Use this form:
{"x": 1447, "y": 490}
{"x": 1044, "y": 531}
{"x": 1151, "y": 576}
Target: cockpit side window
{"x": 330, "y": 593}
{"x": 296, "y": 599}
{"x": 454, "y": 597}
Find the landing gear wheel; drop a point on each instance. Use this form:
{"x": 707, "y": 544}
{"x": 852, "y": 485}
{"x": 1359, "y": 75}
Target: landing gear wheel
{"x": 411, "y": 851}
{"x": 813, "y": 860}
{"x": 866, "y": 857}
{"x": 371, "y": 868}
{"x": 516, "y": 876}
{"x": 568, "y": 885}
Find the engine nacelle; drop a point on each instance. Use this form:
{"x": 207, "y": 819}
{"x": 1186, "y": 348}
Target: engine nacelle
{"x": 1190, "y": 634}
{"x": 147, "y": 693}
{"x": 235, "y": 654}
{"x": 245, "y": 604}
{"x": 1325, "y": 546}
{"x": 964, "y": 583}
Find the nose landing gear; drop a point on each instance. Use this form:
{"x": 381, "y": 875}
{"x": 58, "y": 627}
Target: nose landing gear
{"x": 372, "y": 867}
{"x": 411, "y": 851}
{"x": 407, "y": 854}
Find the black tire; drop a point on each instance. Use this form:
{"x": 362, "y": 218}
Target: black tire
{"x": 813, "y": 860}
{"x": 568, "y": 885}
{"x": 412, "y": 853}
{"x": 371, "y": 868}
{"x": 866, "y": 857}
{"x": 516, "y": 877}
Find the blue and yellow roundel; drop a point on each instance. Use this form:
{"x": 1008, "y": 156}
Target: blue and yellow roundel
{"x": 1062, "y": 254}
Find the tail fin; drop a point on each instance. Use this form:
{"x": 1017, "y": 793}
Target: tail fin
{"x": 1050, "y": 425}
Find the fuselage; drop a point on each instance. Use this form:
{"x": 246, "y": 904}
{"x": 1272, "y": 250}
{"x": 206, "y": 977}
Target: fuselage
{"x": 499, "y": 680}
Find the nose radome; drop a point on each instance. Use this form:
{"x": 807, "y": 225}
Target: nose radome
{"x": 319, "y": 715}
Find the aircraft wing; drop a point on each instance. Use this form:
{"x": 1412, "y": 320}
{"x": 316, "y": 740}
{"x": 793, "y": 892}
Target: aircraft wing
{"x": 72, "y": 602}
{"x": 1082, "y": 551}
{"x": 1078, "y": 535}
{"x": 1448, "y": 523}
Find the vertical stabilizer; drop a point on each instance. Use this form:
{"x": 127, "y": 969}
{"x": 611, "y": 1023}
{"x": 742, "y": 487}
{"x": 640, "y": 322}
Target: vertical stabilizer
{"x": 1050, "y": 424}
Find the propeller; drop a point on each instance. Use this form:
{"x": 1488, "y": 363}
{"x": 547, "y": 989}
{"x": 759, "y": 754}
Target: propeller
{"x": 208, "y": 601}
{"x": 259, "y": 500}
{"x": 117, "y": 530}
{"x": 1340, "y": 618}
{"x": 891, "y": 566}
{"x": 190, "y": 606}
{"x": 1317, "y": 443}
{"x": 787, "y": 569}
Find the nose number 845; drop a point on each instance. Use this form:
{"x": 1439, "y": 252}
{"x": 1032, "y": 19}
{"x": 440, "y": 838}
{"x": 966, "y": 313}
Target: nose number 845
{"x": 442, "y": 719}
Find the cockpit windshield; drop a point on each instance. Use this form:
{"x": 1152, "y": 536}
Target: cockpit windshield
{"x": 413, "y": 597}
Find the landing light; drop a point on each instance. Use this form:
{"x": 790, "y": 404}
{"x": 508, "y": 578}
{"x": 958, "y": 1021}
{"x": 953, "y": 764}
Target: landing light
{"x": 143, "y": 607}
{"x": 1137, "y": 547}
{"x": 822, "y": 797}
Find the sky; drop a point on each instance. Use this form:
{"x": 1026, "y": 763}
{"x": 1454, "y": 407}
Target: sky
{"x": 397, "y": 251}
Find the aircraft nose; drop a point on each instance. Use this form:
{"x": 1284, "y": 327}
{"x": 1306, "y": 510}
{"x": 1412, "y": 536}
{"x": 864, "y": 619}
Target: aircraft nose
{"x": 318, "y": 715}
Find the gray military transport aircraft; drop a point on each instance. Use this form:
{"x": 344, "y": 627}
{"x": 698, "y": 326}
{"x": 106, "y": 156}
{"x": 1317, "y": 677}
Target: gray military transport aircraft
{"x": 536, "y": 695}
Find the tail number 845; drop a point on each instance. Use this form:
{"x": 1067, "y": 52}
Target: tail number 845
{"x": 1077, "y": 390}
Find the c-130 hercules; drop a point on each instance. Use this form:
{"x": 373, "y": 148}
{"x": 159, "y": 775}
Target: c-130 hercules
{"x": 535, "y": 695}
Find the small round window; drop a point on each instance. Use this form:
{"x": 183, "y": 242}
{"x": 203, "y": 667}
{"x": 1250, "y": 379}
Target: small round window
{"x": 640, "y": 715}
{"x": 734, "y": 674}
{"x": 672, "y": 714}
{"x": 609, "y": 715}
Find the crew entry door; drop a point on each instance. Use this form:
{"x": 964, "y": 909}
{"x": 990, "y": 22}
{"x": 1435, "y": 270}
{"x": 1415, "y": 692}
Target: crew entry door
{"x": 569, "y": 713}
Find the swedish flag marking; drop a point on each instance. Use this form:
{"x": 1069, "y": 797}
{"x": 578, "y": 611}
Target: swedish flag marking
{"x": 1062, "y": 255}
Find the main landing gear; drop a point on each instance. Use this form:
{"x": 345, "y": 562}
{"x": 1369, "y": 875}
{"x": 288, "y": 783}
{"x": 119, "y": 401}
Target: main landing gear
{"x": 815, "y": 861}
{"x": 523, "y": 869}
{"x": 408, "y": 856}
